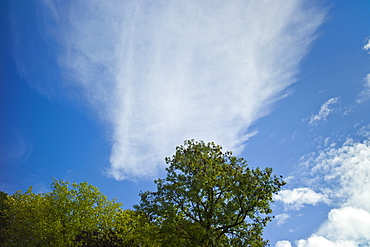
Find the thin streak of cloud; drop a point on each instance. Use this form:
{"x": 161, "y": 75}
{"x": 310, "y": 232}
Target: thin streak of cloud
{"x": 162, "y": 72}
{"x": 324, "y": 112}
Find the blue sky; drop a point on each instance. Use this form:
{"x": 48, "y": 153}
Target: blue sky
{"x": 103, "y": 91}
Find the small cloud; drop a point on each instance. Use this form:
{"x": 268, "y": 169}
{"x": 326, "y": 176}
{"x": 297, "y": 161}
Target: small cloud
{"x": 281, "y": 218}
{"x": 295, "y": 199}
{"x": 367, "y": 46}
{"x": 364, "y": 95}
{"x": 325, "y": 110}
{"x": 283, "y": 243}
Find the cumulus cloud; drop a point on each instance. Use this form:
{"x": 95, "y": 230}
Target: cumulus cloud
{"x": 283, "y": 243}
{"x": 325, "y": 110}
{"x": 342, "y": 175}
{"x": 161, "y": 72}
{"x": 345, "y": 171}
{"x": 298, "y": 197}
{"x": 319, "y": 241}
{"x": 347, "y": 223}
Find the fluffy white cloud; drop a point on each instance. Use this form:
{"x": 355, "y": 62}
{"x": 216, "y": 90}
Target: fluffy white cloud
{"x": 283, "y": 243}
{"x": 347, "y": 223}
{"x": 345, "y": 172}
{"x": 342, "y": 174}
{"x": 161, "y": 72}
{"x": 325, "y": 110}
{"x": 319, "y": 241}
{"x": 298, "y": 197}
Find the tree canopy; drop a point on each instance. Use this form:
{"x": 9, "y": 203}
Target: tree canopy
{"x": 210, "y": 198}
{"x": 69, "y": 215}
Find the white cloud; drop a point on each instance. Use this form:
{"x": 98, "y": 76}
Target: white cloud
{"x": 325, "y": 110}
{"x": 281, "y": 218}
{"x": 345, "y": 172}
{"x": 283, "y": 243}
{"x": 364, "y": 95}
{"x": 319, "y": 241}
{"x": 295, "y": 199}
{"x": 342, "y": 174}
{"x": 165, "y": 71}
{"x": 347, "y": 223}
{"x": 364, "y": 131}
{"x": 367, "y": 46}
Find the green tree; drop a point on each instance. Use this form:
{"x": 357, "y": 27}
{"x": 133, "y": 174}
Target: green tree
{"x": 4, "y": 217}
{"x": 130, "y": 229}
{"x": 210, "y": 198}
{"x": 58, "y": 217}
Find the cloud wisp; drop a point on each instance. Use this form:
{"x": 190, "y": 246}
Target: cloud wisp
{"x": 165, "y": 71}
{"x": 324, "y": 112}
{"x": 367, "y": 46}
{"x": 18, "y": 148}
{"x": 364, "y": 95}
{"x": 281, "y": 218}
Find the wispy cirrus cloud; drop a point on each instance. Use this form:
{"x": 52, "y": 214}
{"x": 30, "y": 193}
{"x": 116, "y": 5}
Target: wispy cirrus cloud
{"x": 325, "y": 111}
{"x": 165, "y": 71}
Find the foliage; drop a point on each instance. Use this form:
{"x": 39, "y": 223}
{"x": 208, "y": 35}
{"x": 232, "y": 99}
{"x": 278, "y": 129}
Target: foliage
{"x": 4, "y": 219}
{"x": 129, "y": 230}
{"x": 57, "y": 217}
{"x": 210, "y": 198}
